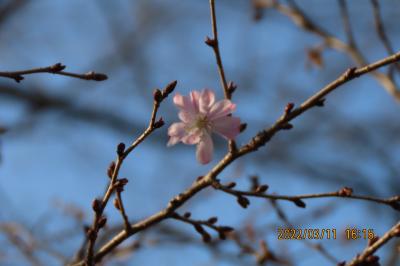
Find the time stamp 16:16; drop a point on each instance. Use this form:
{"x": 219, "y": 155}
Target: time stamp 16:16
{"x": 322, "y": 233}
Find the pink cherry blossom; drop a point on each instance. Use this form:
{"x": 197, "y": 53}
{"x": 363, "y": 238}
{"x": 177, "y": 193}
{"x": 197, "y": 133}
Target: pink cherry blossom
{"x": 200, "y": 115}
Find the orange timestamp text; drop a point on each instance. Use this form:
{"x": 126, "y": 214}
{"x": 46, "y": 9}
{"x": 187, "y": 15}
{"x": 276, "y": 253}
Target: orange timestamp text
{"x": 309, "y": 233}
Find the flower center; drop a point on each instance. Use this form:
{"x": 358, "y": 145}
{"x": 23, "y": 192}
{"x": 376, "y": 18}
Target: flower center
{"x": 201, "y": 122}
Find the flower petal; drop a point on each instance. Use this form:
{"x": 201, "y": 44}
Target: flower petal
{"x": 187, "y": 117}
{"x": 220, "y": 109}
{"x": 227, "y": 126}
{"x": 195, "y": 99}
{"x": 193, "y": 136}
{"x": 176, "y": 132}
{"x": 206, "y": 101}
{"x": 184, "y": 103}
{"x": 204, "y": 149}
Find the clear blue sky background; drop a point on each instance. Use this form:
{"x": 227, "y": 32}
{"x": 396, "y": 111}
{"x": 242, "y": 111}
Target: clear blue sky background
{"x": 61, "y": 159}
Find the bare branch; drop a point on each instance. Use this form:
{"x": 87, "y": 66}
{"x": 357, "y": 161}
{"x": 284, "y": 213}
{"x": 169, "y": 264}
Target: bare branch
{"x": 118, "y": 184}
{"x": 380, "y": 29}
{"x": 54, "y": 69}
{"x": 214, "y": 43}
{"x": 258, "y": 141}
{"x": 367, "y": 254}
{"x": 345, "y": 192}
{"x": 200, "y": 224}
{"x": 346, "y": 22}
{"x": 304, "y": 22}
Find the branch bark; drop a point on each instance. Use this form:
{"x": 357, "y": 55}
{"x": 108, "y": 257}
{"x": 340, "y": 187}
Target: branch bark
{"x": 259, "y": 140}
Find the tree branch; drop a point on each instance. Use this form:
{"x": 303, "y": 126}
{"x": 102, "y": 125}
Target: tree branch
{"x": 113, "y": 172}
{"x": 380, "y": 29}
{"x": 214, "y": 44}
{"x": 259, "y": 192}
{"x": 304, "y": 22}
{"x": 258, "y": 141}
{"x": 368, "y": 252}
{"x": 54, "y": 69}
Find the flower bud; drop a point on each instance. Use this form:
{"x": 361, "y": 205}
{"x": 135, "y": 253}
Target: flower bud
{"x": 110, "y": 170}
{"x": 210, "y": 42}
{"x": 159, "y": 123}
{"x": 96, "y": 205}
{"x": 102, "y": 221}
{"x": 121, "y": 149}
{"x": 169, "y": 88}
{"x": 157, "y": 95}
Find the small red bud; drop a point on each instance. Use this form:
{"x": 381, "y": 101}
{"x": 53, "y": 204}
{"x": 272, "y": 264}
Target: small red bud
{"x": 345, "y": 192}
{"x": 116, "y": 204}
{"x": 91, "y": 234}
{"x": 243, "y": 201}
{"x": 159, "y": 123}
{"x": 210, "y": 42}
{"x": 169, "y": 88}
{"x": 232, "y": 87}
{"x": 110, "y": 170}
{"x": 287, "y": 126}
{"x": 95, "y": 76}
{"x": 96, "y": 205}
{"x": 242, "y": 127}
{"x": 231, "y": 185}
{"x": 212, "y": 220}
{"x": 320, "y": 103}
{"x": 157, "y": 95}
{"x": 120, "y": 184}
{"x": 57, "y": 68}
{"x": 289, "y": 108}
{"x": 121, "y": 149}
{"x": 299, "y": 203}
{"x": 226, "y": 228}
{"x": 261, "y": 189}
{"x": 102, "y": 221}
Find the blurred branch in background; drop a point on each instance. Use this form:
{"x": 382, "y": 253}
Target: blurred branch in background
{"x": 298, "y": 16}
{"x": 263, "y": 137}
{"x": 9, "y": 8}
{"x": 39, "y": 101}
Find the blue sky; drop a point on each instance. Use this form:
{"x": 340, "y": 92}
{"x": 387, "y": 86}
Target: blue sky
{"x": 64, "y": 159}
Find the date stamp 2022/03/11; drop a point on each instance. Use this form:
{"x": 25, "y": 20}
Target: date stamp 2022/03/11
{"x": 323, "y": 233}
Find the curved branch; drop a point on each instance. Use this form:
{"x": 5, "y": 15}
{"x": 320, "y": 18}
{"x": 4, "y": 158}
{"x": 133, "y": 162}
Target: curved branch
{"x": 362, "y": 258}
{"x": 303, "y": 21}
{"x": 258, "y": 141}
{"x": 116, "y": 184}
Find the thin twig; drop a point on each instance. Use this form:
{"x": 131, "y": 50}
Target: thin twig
{"x": 370, "y": 250}
{"x": 214, "y": 43}
{"x": 345, "y": 192}
{"x": 54, "y": 69}
{"x": 303, "y": 21}
{"x": 99, "y": 206}
{"x": 380, "y": 29}
{"x": 346, "y": 22}
{"x": 121, "y": 208}
{"x": 316, "y": 100}
{"x": 254, "y": 144}
{"x": 26, "y": 249}
{"x": 199, "y": 224}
